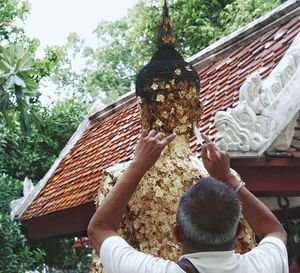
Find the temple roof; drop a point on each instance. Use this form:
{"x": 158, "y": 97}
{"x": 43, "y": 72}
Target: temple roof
{"x": 111, "y": 134}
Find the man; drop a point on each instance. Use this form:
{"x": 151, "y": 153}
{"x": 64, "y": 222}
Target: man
{"x": 207, "y": 220}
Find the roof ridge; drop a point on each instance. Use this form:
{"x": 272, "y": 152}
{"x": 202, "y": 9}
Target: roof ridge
{"x": 246, "y": 34}
{"x": 114, "y": 107}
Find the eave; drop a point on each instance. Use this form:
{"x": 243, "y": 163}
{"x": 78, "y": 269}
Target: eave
{"x": 263, "y": 177}
{"x": 270, "y": 176}
{"x": 69, "y": 223}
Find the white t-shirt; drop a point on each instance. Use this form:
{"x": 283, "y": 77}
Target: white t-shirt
{"x": 270, "y": 256}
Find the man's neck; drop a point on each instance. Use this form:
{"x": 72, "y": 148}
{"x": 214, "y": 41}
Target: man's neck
{"x": 188, "y": 250}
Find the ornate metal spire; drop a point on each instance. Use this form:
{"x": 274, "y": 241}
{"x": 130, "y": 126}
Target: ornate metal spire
{"x": 166, "y": 36}
{"x": 168, "y": 88}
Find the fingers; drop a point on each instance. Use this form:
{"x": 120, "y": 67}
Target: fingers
{"x": 152, "y": 133}
{"x": 158, "y": 136}
{"x": 206, "y": 138}
{"x": 169, "y": 139}
{"x": 162, "y": 139}
{"x": 144, "y": 133}
{"x": 204, "y": 154}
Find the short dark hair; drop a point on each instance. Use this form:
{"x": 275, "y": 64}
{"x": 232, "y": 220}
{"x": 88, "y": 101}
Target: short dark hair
{"x": 209, "y": 214}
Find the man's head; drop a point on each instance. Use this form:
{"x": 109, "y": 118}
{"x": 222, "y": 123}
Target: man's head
{"x": 208, "y": 215}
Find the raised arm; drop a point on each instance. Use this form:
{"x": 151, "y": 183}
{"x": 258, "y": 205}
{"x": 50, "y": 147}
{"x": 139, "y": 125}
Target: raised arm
{"x": 107, "y": 218}
{"x": 260, "y": 218}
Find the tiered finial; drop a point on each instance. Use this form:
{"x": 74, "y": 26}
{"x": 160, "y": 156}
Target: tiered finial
{"x": 166, "y": 36}
{"x": 168, "y": 88}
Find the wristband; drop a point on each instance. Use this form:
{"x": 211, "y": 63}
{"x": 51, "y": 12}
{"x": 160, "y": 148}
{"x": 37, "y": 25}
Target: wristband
{"x": 240, "y": 186}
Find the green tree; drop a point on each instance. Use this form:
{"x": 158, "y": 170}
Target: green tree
{"x": 128, "y": 43}
{"x": 23, "y": 155}
{"x": 20, "y": 72}
{"x": 12, "y": 12}
{"x": 240, "y": 12}
{"x": 62, "y": 255}
{"x": 16, "y": 254}
{"x": 33, "y": 155}
{"x": 69, "y": 80}
{"x": 17, "y": 88}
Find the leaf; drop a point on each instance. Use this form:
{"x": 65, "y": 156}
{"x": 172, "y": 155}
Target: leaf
{"x": 18, "y": 81}
{"x": 25, "y": 122}
{"x": 30, "y": 84}
{"x": 5, "y": 66}
{"x": 19, "y": 92}
{"x": 4, "y": 102}
{"x": 9, "y": 82}
{"x": 26, "y": 69}
{"x": 8, "y": 119}
{"x": 36, "y": 118}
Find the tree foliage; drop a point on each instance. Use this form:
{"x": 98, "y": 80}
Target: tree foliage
{"x": 17, "y": 88}
{"x": 62, "y": 254}
{"x": 20, "y": 72}
{"x": 28, "y": 154}
{"x": 33, "y": 155}
{"x": 12, "y": 12}
{"x": 127, "y": 44}
{"x": 16, "y": 255}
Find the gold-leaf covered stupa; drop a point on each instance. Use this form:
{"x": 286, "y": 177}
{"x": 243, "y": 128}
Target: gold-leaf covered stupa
{"x": 167, "y": 92}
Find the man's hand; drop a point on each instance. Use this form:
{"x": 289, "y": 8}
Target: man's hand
{"x": 216, "y": 161}
{"x": 260, "y": 218}
{"x": 149, "y": 148}
{"x": 107, "y": 218}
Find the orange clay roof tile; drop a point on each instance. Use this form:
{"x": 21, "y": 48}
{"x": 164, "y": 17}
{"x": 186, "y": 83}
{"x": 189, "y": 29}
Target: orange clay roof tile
{"x": 112, "y": 140}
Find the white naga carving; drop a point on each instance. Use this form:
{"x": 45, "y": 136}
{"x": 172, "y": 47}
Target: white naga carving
{"x": 15, "y": 205}
{"x": 265, "y": 108}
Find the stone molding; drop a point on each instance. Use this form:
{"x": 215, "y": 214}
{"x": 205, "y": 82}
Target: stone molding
{"x": 265, "y": 108}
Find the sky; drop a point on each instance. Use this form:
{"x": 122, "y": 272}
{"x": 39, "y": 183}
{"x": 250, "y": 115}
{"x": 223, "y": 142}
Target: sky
{"x": 52, "y": 20}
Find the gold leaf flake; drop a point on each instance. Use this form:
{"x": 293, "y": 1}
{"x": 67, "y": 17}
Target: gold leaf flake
{"x": 188, "y": 68}
{"x": 178, "y": 71}
{"x": 158, "y": 192}
{"x": 154, "y": 86}
{"x": 164, "y": 114}
{"x": 158, "y": 122}
{"x": 183, "y": 119}
{"x": 160, "y": 98}
{"x": 171, "y": 96}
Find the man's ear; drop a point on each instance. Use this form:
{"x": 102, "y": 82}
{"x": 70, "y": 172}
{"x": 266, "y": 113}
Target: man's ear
{"x": 238, "y": 230}
{"x": 177, "y": 233}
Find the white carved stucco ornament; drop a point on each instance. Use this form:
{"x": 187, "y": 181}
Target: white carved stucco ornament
{"x": 15, "y": 205}
{"x": 265, "y": 109}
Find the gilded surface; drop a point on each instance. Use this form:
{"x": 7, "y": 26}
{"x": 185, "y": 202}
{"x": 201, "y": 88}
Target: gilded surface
{"x": 147, "y": 224}
{"x": 169, "y": 107}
